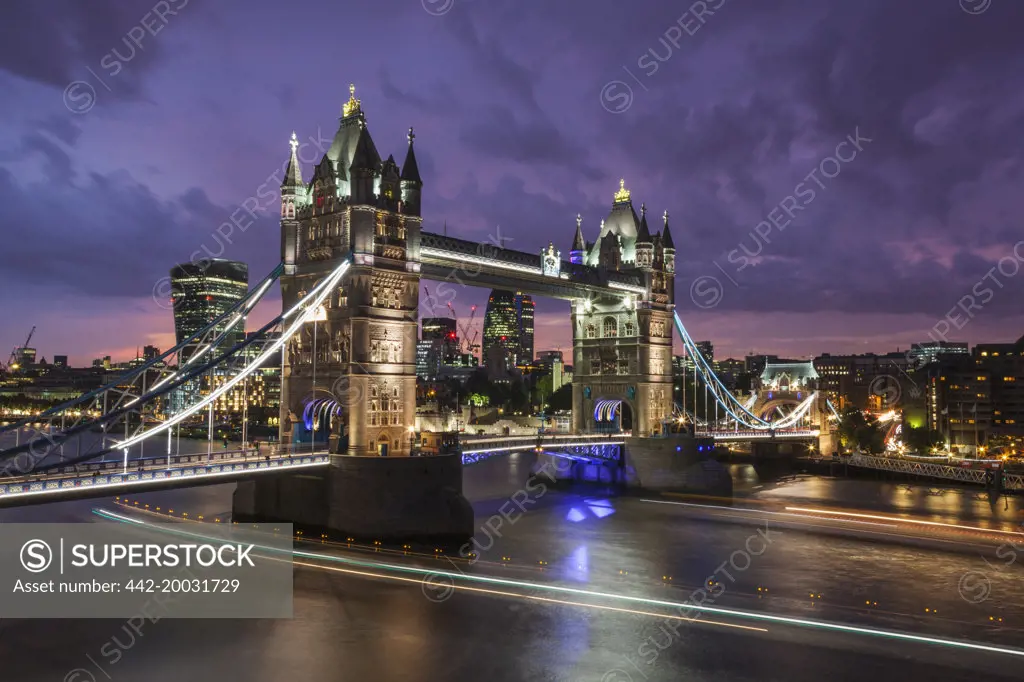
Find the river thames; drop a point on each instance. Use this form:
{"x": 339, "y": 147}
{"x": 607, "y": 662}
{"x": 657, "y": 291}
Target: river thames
{"x": 590, "y": 580}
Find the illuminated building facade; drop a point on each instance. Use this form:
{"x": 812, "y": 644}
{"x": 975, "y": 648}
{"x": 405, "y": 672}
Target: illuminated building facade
{"x": 359, "y": 355}
{"x": 524, "y": 321}
{"x": 200, "y": 292}
{"x": 501, "y": 330}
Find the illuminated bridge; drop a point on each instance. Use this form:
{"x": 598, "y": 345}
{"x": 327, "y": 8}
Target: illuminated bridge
{"x": 353, "y": 254}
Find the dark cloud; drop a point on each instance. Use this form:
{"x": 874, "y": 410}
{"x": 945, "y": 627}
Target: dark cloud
{"x": 53, "y": 42}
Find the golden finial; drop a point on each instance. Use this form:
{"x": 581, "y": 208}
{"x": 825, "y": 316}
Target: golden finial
{"x": 352, "y": 105}
{"x": 623, "y": 193}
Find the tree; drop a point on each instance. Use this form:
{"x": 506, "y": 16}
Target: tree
{"x": 860, "y": 430}
{"x": 561, "y": 400}
{"x": 920, "y": 438}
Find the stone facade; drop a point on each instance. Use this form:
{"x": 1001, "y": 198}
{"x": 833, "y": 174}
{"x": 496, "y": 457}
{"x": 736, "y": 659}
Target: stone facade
{"x": 359, "y": 354}
{"x": 622, "y": 344}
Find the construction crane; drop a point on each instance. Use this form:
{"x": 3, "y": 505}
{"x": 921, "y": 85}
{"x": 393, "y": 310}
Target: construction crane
{"x": 12, "y": 362}
{"x": 469, "y": 333}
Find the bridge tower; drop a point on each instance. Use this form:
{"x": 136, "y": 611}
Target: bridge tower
{"x": 358, "y": 358}
{"x": 622, "y": 345}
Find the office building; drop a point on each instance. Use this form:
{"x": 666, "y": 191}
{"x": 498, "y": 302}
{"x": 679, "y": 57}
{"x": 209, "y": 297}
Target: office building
{"x": 501, "y": 331}
{"x": 202, "y": 292}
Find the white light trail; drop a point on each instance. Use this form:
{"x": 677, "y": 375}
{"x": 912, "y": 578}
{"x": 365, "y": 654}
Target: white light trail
{"x": 317, "y": 296}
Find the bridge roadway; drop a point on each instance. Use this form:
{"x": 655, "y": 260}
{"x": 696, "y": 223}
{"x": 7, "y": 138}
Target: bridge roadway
{"x": 751, "y": 435}
{"x": 153, "y": 473}
{"x": 98, "y": 479}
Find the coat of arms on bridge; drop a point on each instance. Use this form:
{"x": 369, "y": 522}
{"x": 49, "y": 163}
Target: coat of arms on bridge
{"x": 551, "y": 261}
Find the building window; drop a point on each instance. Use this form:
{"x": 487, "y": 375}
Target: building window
{"x": 591, "y": 331}
{"x": 629, "y": 330}
{"x": 595, "y": 366}
{"x": 610, "y": 327}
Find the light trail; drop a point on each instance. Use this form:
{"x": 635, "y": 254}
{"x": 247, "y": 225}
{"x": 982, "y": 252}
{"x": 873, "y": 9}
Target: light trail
{"x": 735, "y": 613}
{"x": 531, "y": 597}
{"x": 904, "y": 520}
{"x": 761, "y": 511}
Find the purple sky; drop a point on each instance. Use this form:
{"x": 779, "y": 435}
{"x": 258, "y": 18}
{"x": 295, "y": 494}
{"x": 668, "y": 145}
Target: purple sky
{"x": 526, "y": 113}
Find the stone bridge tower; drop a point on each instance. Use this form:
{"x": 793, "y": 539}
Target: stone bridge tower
{"x": 622, "y": 345}
{"x": 349, "y": 377}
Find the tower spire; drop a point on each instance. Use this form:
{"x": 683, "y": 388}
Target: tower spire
{"x": 579, "y": 245}
{"x": 352, "y": 106}
{"x": 666, "y": 236}
{"x": 293, "y": 174}
{"x": 643, "y": 235}
{"x": 623, "y": 194}
{"x": 410, "y": 169}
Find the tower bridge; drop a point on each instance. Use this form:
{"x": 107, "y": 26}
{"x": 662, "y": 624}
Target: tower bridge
{"x": 353, "y": 252}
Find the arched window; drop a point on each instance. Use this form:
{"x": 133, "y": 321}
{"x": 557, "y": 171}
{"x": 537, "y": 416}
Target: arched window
{"x": 591, "y": 331}
{"x": 629, "y": 330}
{"x": 610, "y": 327}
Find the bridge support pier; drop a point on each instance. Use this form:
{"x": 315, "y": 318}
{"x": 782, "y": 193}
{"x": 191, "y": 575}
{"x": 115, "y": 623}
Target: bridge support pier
{"x": 391, "y": 499}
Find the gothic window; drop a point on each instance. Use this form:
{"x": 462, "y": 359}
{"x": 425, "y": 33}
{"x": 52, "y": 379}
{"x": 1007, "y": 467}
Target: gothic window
{"x": 595, "y": 366}
{"x": 630, "y": 330}
{"x": 591, "y": 331}
{"x": 623, "y": 365}
{"x": 611, "y": 327}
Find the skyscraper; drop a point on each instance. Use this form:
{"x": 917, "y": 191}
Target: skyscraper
{"x": 524, "y": 318}
{"x": 201, "y": 294}
{"x": 501, "y": 329}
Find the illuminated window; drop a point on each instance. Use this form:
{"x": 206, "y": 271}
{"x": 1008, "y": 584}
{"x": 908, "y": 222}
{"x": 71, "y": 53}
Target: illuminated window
{"x": 610, "y": 327}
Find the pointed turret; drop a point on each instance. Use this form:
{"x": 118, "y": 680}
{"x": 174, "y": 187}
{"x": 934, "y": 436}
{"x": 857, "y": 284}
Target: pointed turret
{"x": 666, "y": 236}
{"x": 579, "y": 245}
{"x": 411, "y": 181}
{"x": 410, "y": 170}
{"x": 643, "y": 235}
{"x": 668, "y": 248}
{"x": 293, "y": 173}
{"x": 365, "y": 168}
{"x": 293, "y": 196}
{"x": 644, "y": 249}
{"x": 293, "y": 189}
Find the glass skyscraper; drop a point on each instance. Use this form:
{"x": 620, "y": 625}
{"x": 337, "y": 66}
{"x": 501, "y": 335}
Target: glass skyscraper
{"x": 501, "y": 329}
{"x": 524, "y": 316}
{"x": 508, "y": 326}
{"x": 200, "y": 294}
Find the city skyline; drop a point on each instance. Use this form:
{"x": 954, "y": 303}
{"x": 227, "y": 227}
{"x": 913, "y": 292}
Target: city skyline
{"x": 913, "y": 224}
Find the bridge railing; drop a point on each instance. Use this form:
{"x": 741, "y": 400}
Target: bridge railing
{"x": 934, "y": 470}
{"x": 116, "y": 480}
